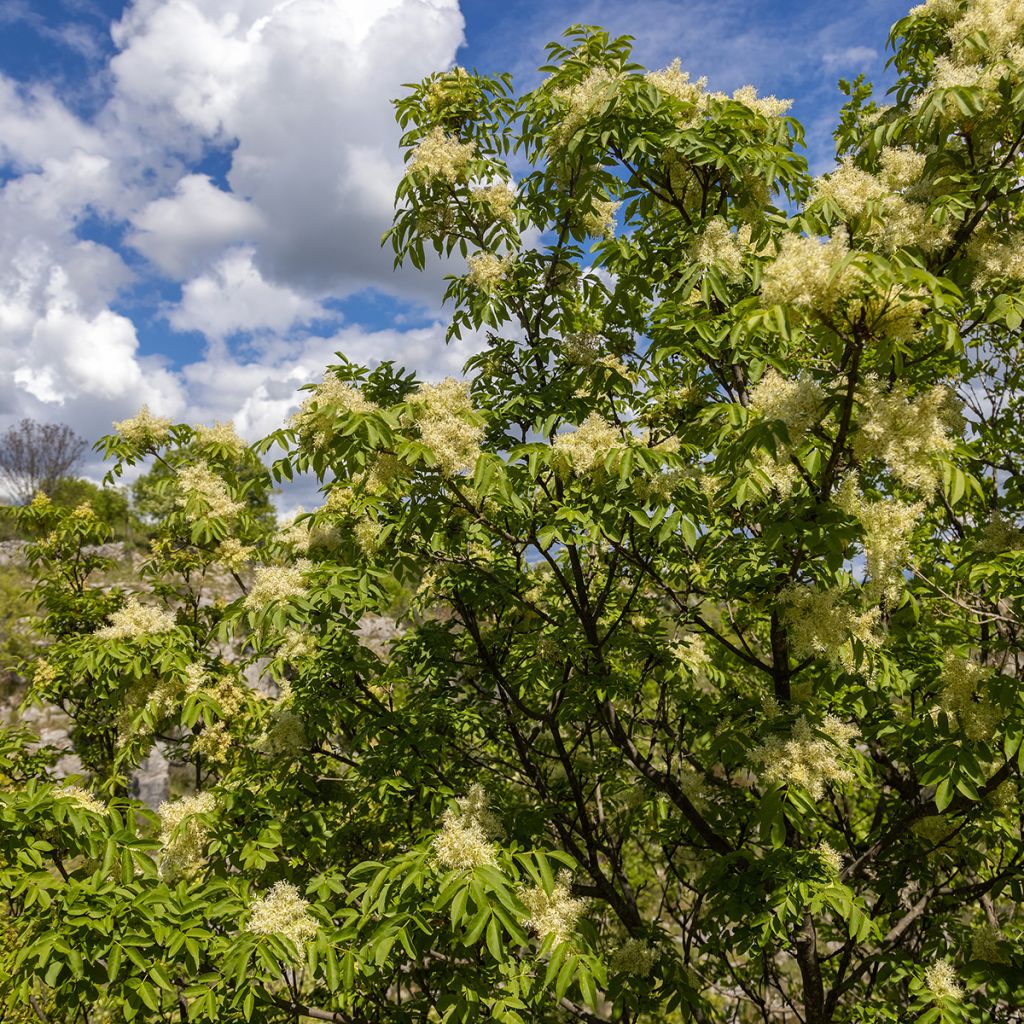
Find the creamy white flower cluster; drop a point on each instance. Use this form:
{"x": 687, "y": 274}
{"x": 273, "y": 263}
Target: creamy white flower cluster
{"x": 282, "y": 911}
{"x": 582, "y": 452}
{"x": 467, "y": 832}
{"x": 444, "y": 414}
{"x": 553, "y": 913}
{"x": 822, "y": 623}
{"x": 812, "y": 757}
{"x": 273, "y": 583}
{"x": 183, "y": 835}
{"x": 136, "y": 620}
{"x": 888, "y": 525}
{"x": 143, "y": 431}
{"x": 81, "y": 798}
{"x": 198, "y": 484}
{"x": 908, "y": 434}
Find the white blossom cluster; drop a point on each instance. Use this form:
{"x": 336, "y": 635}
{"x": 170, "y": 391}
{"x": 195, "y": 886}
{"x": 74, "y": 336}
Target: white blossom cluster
{"x": 183, "y": 835}
{"x": 282, "y": 911}
{"x": 583, "y": 451}
{"x": 273, "y": 583}
{"x": 81, "y": 798}
{"x": 963, "y": 699}
{"x": 812, "y": 757}
{"x": 941, "y": 980}
{"x": 908, "y": 434}
{"x": 446, "y": 419}
{"x": 821, "y": 623}
{"x": 554, "y": 913}
{"x": 143, "y": 431}
{"x": 198, "y": 483}
{"x": 441, "y": 156}
{"x": 467, "y": 832}
{"x": 888, "y": 525}
{"x": 136, "y": 620}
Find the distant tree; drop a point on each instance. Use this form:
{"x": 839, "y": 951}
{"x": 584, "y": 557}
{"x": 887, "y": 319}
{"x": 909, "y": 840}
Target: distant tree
{"x": 34, "y": 456}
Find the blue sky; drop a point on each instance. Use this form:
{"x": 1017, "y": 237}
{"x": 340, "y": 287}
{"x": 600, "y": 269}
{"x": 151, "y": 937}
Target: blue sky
{"x": 192, "y": 191}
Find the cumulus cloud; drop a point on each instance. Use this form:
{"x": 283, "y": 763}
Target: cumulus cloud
{"x": 297, "y": 93}
{"x": 302, "y": 91}
{"x": 234, "y": 296}
{"x": 185, "y": 231}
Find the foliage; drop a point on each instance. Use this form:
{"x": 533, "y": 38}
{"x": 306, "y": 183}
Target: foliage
{"x": 110, "y": 504}
{"x": 707, "y": 703}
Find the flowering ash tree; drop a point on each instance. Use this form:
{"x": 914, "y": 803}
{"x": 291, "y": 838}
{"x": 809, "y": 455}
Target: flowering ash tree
{"x": 706, "y": 701}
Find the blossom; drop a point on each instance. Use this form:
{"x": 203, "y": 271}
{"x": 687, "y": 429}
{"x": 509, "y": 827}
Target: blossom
{"x": 272, "y": 583}
{"x": 581, "y": 348}
{"x": 295, "y": 644}
{"x": 795, "y": 401}
{"x": 985, "y": 944}
{"x": 500, "y": 201}
{"x": 690, "y": 651}
{"x": 901, "y": 167}
{"x": 832, "y": 858}
{"x": 599, "y": 221}
{"x": 908, "y": 434}
{"x": 486, "y": 270}
{"x": 445, "y": 416}
{"x": 331, "y": 395}
{"x": 183, "y": 835}
{"x": 634, "y": 957}
{"x": 719, "y": 247}
{"x": 554, "y": 913}
{"x": 940, "y": 979}
{"x": 675, "y": 83}
{"x": 806, "y": 273}
{"x": 213, "y": 743}
{"x": 233, "y": 554}
{"x": 766, "y": 106}
{"x": 44, "y": 674}
{"x": 136, "y": 620}
{"x": 282, "y": 911}
{"x": 812, "y": 757}
{"x": 849, "y": 188}
{"x": 464, "y": 840}
{"x": 198, "y": 483}
{"x": 998, "y": 535}
{"x": 285, "y": 735}
{"x": 581, "y": 102}
{"x": 144, "y": 430}
{"x": 367, "y": 534}
{"x": 440, "y": 155}
{"x": 221, "y": 435}
{"x": 584, "y": 450}
{"x": 888, "y": 525}
{"x": 999, "y": 22}
{"x": 821, "y": 623}
{"x": 301, "y": 533}
{"x": 997, "y": 259}
{"x": 81, "y": 798}
{"x": 961, "y": 681}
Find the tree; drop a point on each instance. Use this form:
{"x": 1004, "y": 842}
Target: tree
{"x": 35, "y": 456}
{"x": 707, "y": 706}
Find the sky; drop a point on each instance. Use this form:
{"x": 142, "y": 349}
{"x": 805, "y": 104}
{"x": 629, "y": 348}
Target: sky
{"x": 192, "y": 192}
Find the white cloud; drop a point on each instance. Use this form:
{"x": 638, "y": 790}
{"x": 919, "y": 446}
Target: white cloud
{"x": 183, "y": 232}
{"x": 298, "y": 91}
{"x": 234, "y": 296}
{"x": 303, "y": 89}
{"x": 35, "y": 126}
{"x": 854, "y": 58}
